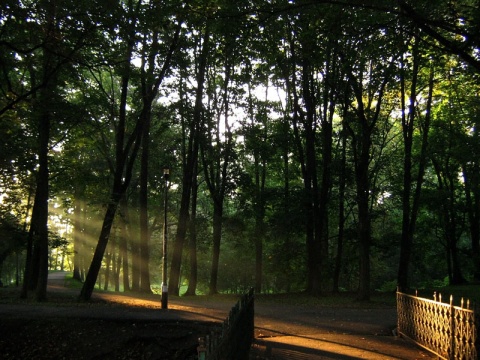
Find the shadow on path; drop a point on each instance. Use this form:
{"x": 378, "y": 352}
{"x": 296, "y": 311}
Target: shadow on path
{"x": 282, "y": 331}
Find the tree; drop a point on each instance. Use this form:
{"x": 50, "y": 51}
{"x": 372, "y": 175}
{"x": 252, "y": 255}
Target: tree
{"x": 151, "y": 79}
{"x": 378, "y": 69}
{"x": 126, "y": 144}
{"x": 411, "y": 204}
{"x": 189, "y": 161}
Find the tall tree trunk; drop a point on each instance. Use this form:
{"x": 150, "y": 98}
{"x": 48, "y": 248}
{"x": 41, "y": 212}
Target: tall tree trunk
{"x": 90, "y": 280}
{"x": 361, "y": 134}
{"x": 341, "y": 210}
{"x": 216, "y": 174}
{"x": 364, "y": 220}
{"x": 472, "y": 196}
{"x": 149, "y": 89}
{"x": 134, "y": 246}
{"x": 314, "y": 248}
{"x": 118, "y": 260}
{"x": 193, "y": 276}
{"x": 452, "y": 231}
{"x": 411, "y": 206}
{"x": 36, "y": 269}
{"x": 126, "y": 151}
{"x": 260, "y": 169}
{"x": 189, "y": 165}
{"x": 77, "y": 232}
{"x": 446, "y": 186}
{"x": 108, "y": 265}
{"x": 259, "y": 232}
{"x": 328, "y": 106}
{"x": 40, "y": 229}
{"x": 144, "y": 253}
{"x": 217, "y": 238}
{"x": 123, "y": 244}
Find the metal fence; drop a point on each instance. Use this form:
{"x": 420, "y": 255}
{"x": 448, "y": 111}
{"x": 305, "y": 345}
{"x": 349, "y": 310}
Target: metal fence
{"x": 233, "y": 339}
{"x": 444, "y": 329}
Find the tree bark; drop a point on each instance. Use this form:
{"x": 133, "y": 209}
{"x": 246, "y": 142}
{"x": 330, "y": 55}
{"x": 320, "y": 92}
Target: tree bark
{"x": 193, "y": 276}
{"x": 472, "y": 197}
{"x": 217, "y": 238}
{"x": 144, "y": 253}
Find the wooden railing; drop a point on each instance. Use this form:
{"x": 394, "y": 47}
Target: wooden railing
{"x": 444, "y": 329}
{"x": 233, "y": 339}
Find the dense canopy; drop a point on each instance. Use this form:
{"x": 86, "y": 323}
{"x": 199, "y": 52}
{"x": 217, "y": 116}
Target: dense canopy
{"x": 312, "y": 145}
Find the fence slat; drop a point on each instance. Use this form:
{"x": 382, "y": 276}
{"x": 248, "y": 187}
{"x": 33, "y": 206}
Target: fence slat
{"x": 233, "y": 339}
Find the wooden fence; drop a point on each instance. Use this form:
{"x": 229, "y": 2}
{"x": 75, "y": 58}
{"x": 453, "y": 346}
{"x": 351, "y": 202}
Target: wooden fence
{"x": 444, "y": 329}
{"x": 233, "y": 339}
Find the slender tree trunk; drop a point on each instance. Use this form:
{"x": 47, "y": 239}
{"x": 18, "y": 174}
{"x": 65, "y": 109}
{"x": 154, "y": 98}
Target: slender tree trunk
{"x": 149, "y": 89}
{"x": 78, "y": 247}
{"x": 259, "y": 232}
{"x": 118, "y": 260}
{"x": 144, "y": 253}
{"x": 341, "y": 212}
{"x": 38, "y": 235}
{"x": 217, "y": 238}
{"x": 364, "y": 221}
{"x": 472, "y": 196}
{"x": 96, "y": 263}
{"x": 409, "y": 210}
{"x": 446, "y": 189}
{"x": 123, "y": 244}
{"x": 36, "y": 269}
{"x": 260, "y": 169}
{"x": 361, "y": 134}
{"x": 108, "y": 267}
{"x": 314, "y": 246}
{"x": 193, "y": 276}
{"x": 452, "y": 230}
{"x": 190, "y": 161}
{"x": 126, "y": 154}
{"x": 134, "y": 246}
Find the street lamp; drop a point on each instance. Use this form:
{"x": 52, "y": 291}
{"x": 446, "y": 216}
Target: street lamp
{"x": 166, "y": 174}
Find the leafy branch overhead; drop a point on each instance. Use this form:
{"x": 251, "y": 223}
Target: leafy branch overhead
{"x": 313, "y": 145}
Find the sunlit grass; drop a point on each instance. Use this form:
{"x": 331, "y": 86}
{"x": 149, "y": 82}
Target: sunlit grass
{"x": 72, "y": 283}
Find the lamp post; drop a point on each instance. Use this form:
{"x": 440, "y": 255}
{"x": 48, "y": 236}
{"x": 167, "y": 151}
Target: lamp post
{"x": 166, "y": 174}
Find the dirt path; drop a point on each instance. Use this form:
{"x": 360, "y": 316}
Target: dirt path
{"x": 282, "y": 331}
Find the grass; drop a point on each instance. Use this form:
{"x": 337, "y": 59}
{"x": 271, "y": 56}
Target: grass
{"x": 467, "y": 291}
{"x": 342, "y": 299}
{"x": 72, "y": 283}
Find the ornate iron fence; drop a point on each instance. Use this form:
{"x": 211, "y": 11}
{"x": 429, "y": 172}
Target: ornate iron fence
{"x": 444, "y": 329}
{"x": 232, "y": 341}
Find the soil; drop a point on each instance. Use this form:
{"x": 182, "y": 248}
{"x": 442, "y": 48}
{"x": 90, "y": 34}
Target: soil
{"x": 132, "y": 326}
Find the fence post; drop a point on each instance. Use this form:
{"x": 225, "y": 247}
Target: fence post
{"x": 202, "y": 349}
{"x": 399, "y": 330}
{"x": 452, "y": 329}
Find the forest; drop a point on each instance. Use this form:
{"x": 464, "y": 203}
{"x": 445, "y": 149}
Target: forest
{"x": 286, "y": 145}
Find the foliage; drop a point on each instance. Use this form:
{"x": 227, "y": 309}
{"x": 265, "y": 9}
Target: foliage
{"x": 294, "y": 118}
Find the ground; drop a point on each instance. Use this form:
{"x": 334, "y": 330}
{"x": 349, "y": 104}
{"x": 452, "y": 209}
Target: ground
{"x": 65, "y": 329}
{"x": 132, "y": 326}
{"x": 98, "y": 339}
